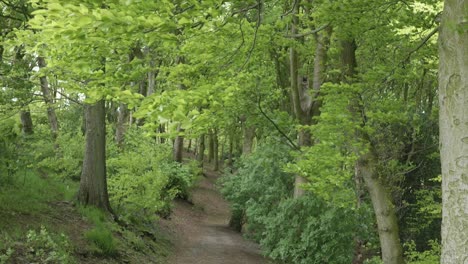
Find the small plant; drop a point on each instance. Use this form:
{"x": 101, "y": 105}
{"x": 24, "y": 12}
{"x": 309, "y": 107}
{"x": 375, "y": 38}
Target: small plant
{"x": 431, "y": 256}
{"x": 44, "y": 247}
{"x": 102, "y": 239}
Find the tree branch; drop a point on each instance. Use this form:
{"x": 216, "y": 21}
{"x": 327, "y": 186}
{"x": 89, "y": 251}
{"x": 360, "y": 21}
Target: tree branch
{"x": 308, "y": 33}
{"x": 293, "y": 145}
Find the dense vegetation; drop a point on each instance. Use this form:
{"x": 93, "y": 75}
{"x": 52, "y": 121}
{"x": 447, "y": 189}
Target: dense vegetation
{"x": 322, "y": 115}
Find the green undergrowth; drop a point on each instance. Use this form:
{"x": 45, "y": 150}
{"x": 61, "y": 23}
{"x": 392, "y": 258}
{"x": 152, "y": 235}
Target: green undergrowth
{"x": 33, "y": 231}
{"x": 28, "y": 193}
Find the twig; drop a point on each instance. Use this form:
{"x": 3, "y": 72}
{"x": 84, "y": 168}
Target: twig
{"x": 259, "y": 21}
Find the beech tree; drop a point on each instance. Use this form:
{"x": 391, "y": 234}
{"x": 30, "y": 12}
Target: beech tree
{"x": 453, "y": 118}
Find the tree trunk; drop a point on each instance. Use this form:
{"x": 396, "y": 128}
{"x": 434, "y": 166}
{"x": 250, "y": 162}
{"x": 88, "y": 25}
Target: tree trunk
{"x": 216, "y": 150}
{"x": 453, "y": 120}
{"x": 201, "y": 150}
{"x": 26, "y": 122}
{"x": 387, "y": 223}
{"x": 162, "y": 130}
{"x": 48, "y": 99}
{"x": 178, "y": 147}
{"x": 249, "y": 136}
{"x": 296, "y": 94}
{"x": 210, "y": 148}
{"x": 122, "y": 124}
{"x": 93, "y": 183}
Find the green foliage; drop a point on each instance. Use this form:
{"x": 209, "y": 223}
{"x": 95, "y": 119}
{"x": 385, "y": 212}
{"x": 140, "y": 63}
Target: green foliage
{"x": 258, "y": 185}
{"x": 37, "y": 247}
{"x": 29, "y": 192}
{"x": 143, "y": 180}
{"x": 62, "y": 159}
{"x": 102, "y": 239}
{"x": 431, "y": 256}
{"x": 100, "y": 235}
{"x": 307, "y": 231}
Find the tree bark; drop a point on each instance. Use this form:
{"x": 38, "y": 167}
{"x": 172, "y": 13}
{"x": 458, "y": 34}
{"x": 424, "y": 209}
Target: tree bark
{"x": 210, "y": 147}
{"x": 201, "y": 150}
{"x": 453, "y": 120}
{"x": 48, "y": 99}
{"x": 249, "y": 136}
{"x": 387, "y": 222}
{"x": 384, "y": 209}
{"x": 122, "y": 124}
{"x": 178, "y": 147}
{"x": 216, "y": 150}
{"x": 93, "y": 183}
{"x": 26, "y": 122}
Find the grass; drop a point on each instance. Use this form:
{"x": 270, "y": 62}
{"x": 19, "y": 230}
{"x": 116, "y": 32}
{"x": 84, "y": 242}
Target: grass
{"x": 100, "y": 236}
{"x": 29, "y": 201}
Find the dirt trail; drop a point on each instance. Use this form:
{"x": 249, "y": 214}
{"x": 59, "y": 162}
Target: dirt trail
{"x": 201, "y": 233}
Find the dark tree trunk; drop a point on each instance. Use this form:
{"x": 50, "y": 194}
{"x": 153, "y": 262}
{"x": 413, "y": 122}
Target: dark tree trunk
{"x": 201, "y": 150}
{"x": 26, "y": 122}
{"x": 216, "y": 150}
{"x": 162, "y": 130}
{"x": 93, "y": 183}
{"x": 210, "y": 147}
{"x": 178, "y": 147}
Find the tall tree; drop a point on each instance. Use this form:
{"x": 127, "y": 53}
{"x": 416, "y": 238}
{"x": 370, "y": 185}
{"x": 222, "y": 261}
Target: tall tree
{"x": 93, "y": 183}
{"x": 453, "y": 125}
{"x": 47, "y": 95}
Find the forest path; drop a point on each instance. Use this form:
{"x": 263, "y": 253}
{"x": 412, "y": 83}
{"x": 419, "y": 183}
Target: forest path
{"x": 200, "y": 231}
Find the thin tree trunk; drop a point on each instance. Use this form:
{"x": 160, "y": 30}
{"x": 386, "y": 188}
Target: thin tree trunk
{"x": 453, "y": 120}
{"x": 201, "y": 150}
{"x": 26, "y": 122}
{"x": 230, "y": 154}
{"x": 48, "y": 99}
{"x": 178, "y": 147}
{"x": 216, "y": 150}
{"x": 93, "y": 183}
{"x": 122, "y": 124}
{"x": 249, "y": 136}
{"x": 210, "y": 147}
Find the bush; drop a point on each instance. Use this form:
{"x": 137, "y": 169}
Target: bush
{"x": 100, "y": 235}
{"x": 39, "y": 247}
{"x": 431, "y": 256}
{"x": 257, "y": 187}
{"x": 143, "y": 179}
{"x": 102, "y": 239}
{"x": 307, "y": 231}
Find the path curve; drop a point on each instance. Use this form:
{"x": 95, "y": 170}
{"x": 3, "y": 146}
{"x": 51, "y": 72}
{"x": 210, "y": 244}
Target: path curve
{"x": 200, "y": 231}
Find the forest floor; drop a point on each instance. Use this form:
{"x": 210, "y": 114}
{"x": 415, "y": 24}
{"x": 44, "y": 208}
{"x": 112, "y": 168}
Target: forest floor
{"x": 200, "y": 232}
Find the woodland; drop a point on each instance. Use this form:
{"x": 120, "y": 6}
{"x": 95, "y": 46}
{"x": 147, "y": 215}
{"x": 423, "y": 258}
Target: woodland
{"x": 338, "y": 129}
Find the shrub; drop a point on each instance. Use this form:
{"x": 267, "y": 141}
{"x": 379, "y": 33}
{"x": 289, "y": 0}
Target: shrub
{"x": 257, "y": 187}
{"x": 431, "y": 256}
{"x": 307, "y": 231}
{"x": 102, "y": 239}
{"x": 37, "y": 247}
{"x": 143, "y": 179}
